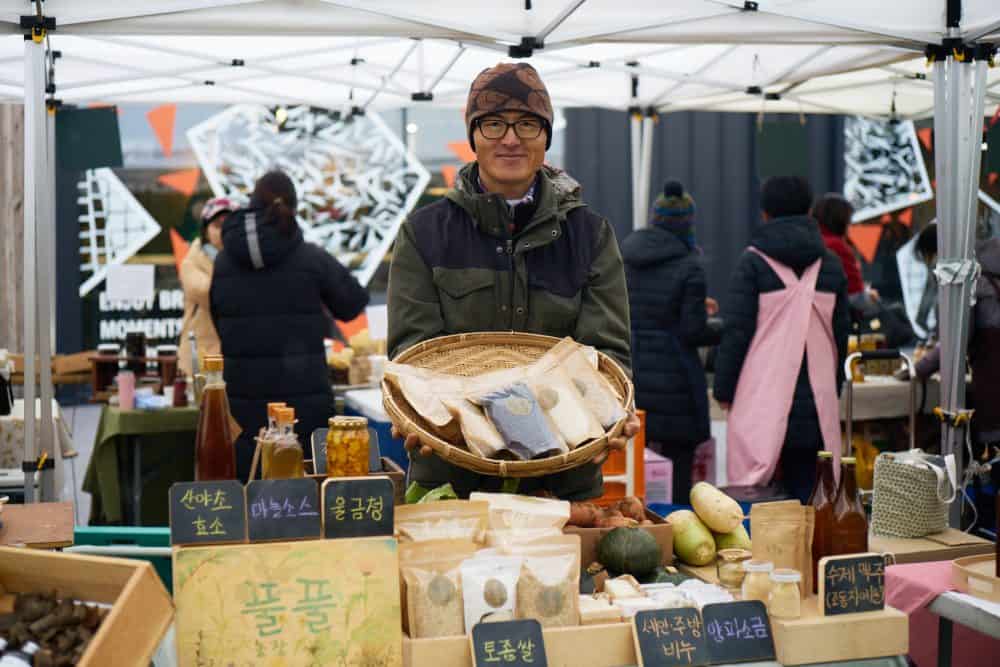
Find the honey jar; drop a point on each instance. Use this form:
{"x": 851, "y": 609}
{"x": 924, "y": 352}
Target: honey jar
{"x": 347, "y": 447}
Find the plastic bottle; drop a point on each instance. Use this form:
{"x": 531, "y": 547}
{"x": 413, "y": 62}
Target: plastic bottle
{"x": 822, "y": 498}
{"x": 267, "y": 439}
{"x": 850, "y": 524}
{"x": 23, "y": 657}
{"x": 215, "y": 453}
{"x": 286, "y": 456}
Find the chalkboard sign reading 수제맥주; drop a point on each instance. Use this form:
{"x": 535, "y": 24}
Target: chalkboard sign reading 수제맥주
{"x": 852, "y": 584}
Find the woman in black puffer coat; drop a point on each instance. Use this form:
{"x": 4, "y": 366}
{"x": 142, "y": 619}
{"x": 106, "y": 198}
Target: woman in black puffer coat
{"x": 269, "y": 290}
{"x": 666, "y": 285}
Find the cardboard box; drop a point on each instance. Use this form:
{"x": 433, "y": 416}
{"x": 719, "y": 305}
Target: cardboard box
{"x": 141, "y": 611}
{"x": 814, "y": 638}
{"x": 949, "y": 545}
{"x": 590, "y": 537}
{"x": 583, "y": 646}
{"x": 659, "y": 478}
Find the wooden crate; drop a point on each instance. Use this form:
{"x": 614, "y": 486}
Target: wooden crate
{"x": 141, "y": 611}
{"x": 976, "y": 575}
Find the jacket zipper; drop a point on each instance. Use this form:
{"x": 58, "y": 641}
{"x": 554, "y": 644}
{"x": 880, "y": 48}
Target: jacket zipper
{"x": 513, "y": 279}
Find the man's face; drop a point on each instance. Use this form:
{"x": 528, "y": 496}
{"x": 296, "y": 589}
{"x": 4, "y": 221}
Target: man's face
{"x": 214, "y": 231}
{"x": 509, "y": 159}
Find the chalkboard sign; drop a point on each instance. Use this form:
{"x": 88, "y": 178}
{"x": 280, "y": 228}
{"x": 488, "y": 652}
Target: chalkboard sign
{"x": 669, "y": 638}
{"x": 737, "y": 632}
{"x": 852, "y": 584}
{"x": 207, "y": 512}
{"x": 357, "y": 507}
{"x": 514, "y": 643}
{"x": 283, "y": 509}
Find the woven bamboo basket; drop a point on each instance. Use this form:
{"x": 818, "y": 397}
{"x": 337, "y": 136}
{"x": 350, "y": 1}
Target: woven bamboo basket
{"x": 474, "y": 354}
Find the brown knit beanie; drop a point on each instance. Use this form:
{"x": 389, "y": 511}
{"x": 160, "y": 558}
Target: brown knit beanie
{"x": 509, "y": 87}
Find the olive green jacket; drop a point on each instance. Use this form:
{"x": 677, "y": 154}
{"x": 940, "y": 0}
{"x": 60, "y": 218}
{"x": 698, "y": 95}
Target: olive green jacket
{"x": 457, "y": 269}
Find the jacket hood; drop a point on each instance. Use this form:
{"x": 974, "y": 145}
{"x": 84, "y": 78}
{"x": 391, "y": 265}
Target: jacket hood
{"x": 253, "y": 244}
{"x": 793, "y": 241}
{"x": 652, "y": 245}
{"x": 557, "y": 193}
{"x": 988, "y": 255}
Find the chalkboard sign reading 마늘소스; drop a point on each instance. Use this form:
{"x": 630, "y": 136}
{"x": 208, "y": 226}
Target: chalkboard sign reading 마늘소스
{"x": 207, "y": 512}
{"x": 283, "y": 509}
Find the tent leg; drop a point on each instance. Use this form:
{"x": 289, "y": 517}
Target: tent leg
{"x": 636, "y": 136}
{"x": 646, "y": 168}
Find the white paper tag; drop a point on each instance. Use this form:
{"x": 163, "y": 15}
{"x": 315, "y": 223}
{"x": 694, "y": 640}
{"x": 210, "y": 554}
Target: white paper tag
{"x": 130, "y": 282}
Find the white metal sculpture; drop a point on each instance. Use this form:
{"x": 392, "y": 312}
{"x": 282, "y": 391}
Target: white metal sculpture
{"x": 354, "y": 178}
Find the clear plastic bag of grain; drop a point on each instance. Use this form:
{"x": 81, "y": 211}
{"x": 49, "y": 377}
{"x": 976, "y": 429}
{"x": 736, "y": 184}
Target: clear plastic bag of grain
{"x": 432, "y": 587}
{"x": 548, "y": 589}
{"x": 442, "y": 520}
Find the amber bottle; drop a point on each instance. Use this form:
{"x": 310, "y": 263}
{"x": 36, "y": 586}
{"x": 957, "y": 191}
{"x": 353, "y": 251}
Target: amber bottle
{"x": 822, "y": 498}
{"x": 267, "y": 439}
{"x": 850, "y": 524}
{"x": 215, "y": 452}
{"x": 286, "y": 455}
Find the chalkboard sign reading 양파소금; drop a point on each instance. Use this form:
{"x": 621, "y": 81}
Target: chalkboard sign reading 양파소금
{"x": 670, "y": 638}
{"x": 283, "y": 509}
{"x": 357, "y": 507}
{"x": 737, "y": 632}
{"x": 513, "y": 643}
{"x": 852, "y": 584}
{"x": 207, "y": 513}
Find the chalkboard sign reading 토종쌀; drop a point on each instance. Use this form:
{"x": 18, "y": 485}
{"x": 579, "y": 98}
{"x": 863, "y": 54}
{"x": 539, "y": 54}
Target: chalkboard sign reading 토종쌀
{"x": 357, "y": 507}
{"x": 207, "y": 512}
{"x": 283, "y": 509}
{"x": 852, "y": 584}
{"x": 737, "y": 632}
{"x": 669, "y": 638}
{"x": 513, "y": 643}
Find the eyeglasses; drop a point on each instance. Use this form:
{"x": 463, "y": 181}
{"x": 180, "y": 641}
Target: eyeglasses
{"x": 496, "y": 128}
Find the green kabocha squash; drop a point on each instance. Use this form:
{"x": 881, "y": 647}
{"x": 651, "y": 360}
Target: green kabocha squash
{"x": 629, "y": 551}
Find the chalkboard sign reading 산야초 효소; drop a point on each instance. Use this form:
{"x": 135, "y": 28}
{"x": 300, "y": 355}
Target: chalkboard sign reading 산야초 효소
{"x": 737, "y": 632}
{"x": 669, "y": 638}
{"x": 207, "y": 512}
{"x": 852, "y": 584}
{"x": 513, "y": 643}
{"x": 357, "y": 507}
{"x": 283, "y": 509}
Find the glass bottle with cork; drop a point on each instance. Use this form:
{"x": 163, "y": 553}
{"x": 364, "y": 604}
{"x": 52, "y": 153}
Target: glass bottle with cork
{"x": 823, "y": 495}
{"x": 286, "y": 455}
{"x": 267, "y": 439}
{"x": 850, "y": 524}
{"x": 347, "y": 444}
{"x": 215, "y": 452}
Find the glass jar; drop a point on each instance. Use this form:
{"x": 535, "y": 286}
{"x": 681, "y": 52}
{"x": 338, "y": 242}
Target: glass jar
{"x": 347, "y": 447}
{"x": 785, "y": 599}
{"x": 729, "y": 563}
{"x": 757, "y": 582}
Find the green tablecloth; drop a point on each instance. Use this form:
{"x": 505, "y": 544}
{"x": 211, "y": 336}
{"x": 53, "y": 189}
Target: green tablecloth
{"x": 167, "y": 441}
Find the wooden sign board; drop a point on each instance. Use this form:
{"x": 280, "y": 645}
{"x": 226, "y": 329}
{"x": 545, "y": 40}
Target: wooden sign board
{"x": 670, "y": 638}
{"x": 207, "y": 513}
{"x": 358, "y": 507}
{"x": 314, "y": 602}
{"x": 852, "y": 584}
{"x": 514, "y": 643}
{"x": 737, "y": 632}
{"x": 283, "y": 509}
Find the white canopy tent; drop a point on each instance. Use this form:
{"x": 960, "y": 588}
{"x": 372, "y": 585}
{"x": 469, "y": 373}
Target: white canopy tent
{"x": 840, "y": 56}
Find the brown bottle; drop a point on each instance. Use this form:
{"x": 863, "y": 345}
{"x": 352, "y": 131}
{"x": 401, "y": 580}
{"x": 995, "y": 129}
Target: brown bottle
{"x": 267, "y": 440}
{"x": 823, "y": 495}
{"x": 850, "y": 525}
{"x": 286, "y": 453}
{"x": 215, "y": 453}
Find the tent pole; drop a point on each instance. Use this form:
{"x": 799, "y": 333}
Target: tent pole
{"x": 635, "y": 122}
{"x": 646, "y": 167}
{"x": 44, "y": 238}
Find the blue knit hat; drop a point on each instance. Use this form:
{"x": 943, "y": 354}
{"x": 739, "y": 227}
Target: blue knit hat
{"x": 674, "y": 210}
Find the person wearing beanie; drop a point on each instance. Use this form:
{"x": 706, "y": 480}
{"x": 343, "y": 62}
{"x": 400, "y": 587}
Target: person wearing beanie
{"x": 512, "y": 247}
{"x": 666, "y": 291}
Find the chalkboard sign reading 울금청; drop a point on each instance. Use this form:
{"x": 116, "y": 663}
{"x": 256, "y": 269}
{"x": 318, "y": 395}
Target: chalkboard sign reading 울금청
{"x": 283, "y": 509}
{"x": 207, "y": 512}
{"x": 737, "y": 632}
{"x": 358, "y": 507}
{"x": 670, "y": 638}
{"x": 852, "y": 584}
{"x": 513, "y": 643}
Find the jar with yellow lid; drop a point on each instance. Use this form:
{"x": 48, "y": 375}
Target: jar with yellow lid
{"x": 757, "y": 582}
{"x": 347, "y": 447}
{"x": 785, "y": 599}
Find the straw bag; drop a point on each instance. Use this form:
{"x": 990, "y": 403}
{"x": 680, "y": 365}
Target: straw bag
{"x": 912, "y": 492}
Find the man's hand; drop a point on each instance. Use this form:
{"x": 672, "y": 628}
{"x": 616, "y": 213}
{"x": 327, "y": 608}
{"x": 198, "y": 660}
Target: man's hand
{"x": 632, "y": 425}
{"x": 711, "y": 306}
{"x": 411, "y": 442}
{"x": 725, "y": 406}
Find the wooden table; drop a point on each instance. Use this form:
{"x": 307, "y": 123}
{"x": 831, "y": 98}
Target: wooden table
{"x": 949, "y": 545}
{"x": 37, "y": 525}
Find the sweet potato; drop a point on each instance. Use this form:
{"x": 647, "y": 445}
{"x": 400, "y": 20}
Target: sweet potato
{"x": 632, "y": 507}
{"x": 584, "y": 515}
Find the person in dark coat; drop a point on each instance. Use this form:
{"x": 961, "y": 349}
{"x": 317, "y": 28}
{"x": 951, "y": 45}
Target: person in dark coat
{"x": 268, "y": 294}
{"x": 666, "y": 286}
{"x": 791, "y": 237}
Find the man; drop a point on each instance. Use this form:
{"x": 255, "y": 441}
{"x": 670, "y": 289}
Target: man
{"x": 780, "y": 363}
{"x": 511, "y": 248}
